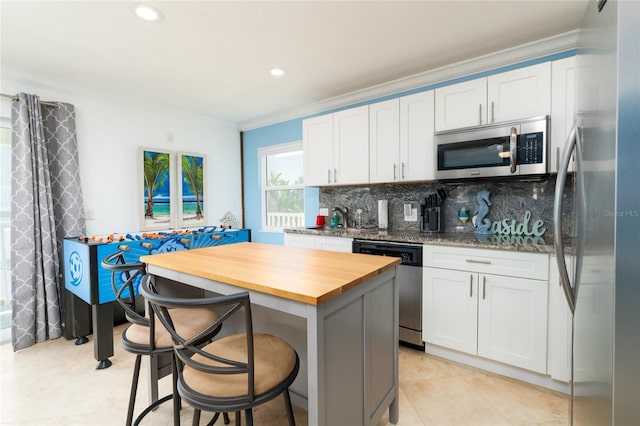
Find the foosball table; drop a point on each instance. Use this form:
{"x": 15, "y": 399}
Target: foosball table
{"x": 85, "y": 278}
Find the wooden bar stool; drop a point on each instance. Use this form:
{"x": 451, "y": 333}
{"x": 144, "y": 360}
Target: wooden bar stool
{"x": 144, "y": 336}
{"x": 233, "y": 373}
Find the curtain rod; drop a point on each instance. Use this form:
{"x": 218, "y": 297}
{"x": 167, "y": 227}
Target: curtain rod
{"x": 15, "y": 98}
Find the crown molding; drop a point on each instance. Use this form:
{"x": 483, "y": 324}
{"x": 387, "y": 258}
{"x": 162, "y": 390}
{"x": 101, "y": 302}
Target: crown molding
{"x": 525, "y": 52}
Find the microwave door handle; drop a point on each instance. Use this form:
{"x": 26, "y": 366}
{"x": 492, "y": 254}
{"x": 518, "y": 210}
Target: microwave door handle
{"x": 513, "y": 149}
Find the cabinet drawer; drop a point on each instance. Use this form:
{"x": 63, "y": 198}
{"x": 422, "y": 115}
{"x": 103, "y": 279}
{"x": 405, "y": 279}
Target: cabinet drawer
{"x": 499, "y": 262}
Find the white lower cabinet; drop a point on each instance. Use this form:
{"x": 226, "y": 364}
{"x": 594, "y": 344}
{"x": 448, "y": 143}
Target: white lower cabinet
{"x": 296, "y": 240}
{"x": 319, "y": 242}
{"x": 494, "y": 316}
{"x": 334, "y": 244}
{"x": 450, "y": 309}
{"x": 512, "y": 321}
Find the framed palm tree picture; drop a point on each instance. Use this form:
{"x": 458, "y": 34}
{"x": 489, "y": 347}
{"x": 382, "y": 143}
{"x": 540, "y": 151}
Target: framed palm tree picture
{"x": 157, "y": 189}
{"x": 191, "y": 208}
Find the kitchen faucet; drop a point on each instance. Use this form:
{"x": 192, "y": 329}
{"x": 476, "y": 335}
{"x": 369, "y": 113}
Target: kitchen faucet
{"x": 343, "y": 212}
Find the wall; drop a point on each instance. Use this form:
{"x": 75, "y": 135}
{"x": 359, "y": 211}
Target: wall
{"x": 109, "y": 132}
{"x": 288, "y": 131}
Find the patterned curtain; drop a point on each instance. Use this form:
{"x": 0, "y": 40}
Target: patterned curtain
{"x": 46, "y": 206}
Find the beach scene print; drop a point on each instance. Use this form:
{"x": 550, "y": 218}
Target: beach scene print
{"x": 157, "y": 189}
{"x": 192, "y": 189}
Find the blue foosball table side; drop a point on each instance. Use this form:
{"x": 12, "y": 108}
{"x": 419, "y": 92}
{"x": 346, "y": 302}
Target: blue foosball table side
{"x": 85, "y": 278}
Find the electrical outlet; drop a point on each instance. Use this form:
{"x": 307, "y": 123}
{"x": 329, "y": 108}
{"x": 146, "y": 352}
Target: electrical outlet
{"x": 89, "y": 214}
{"x": 412, "y": 217}
{"x": 324, "y": 211}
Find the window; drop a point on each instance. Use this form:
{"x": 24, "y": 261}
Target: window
{"x": 282, "y": 186}
{"x": 5, "y": 218}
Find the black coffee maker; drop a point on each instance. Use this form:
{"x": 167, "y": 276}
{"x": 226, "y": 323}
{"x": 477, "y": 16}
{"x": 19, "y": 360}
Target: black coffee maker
{"x": 431, "y": 212}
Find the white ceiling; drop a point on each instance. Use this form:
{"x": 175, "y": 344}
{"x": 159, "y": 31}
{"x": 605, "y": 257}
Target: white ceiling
{"x": 213, "y": 57}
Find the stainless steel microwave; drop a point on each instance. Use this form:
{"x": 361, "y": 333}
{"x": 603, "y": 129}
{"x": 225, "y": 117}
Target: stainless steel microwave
{"x": 518, "y": 148}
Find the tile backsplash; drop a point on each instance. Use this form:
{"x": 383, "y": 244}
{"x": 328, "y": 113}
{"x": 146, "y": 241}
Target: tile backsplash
{"x": 510, "y": 200}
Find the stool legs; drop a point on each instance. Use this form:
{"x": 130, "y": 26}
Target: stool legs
{"x": 289, "y": 408}
{"x": 134, "y": 390}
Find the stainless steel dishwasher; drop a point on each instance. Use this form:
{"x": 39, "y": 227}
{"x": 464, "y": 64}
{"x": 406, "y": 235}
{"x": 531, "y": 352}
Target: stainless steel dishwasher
{"x": 409, "y": 278}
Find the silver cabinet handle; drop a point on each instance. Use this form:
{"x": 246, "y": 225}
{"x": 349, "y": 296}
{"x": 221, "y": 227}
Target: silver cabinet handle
{"x": 513, "y": 149}
{"x": 557, "y": 159}
{"x": 395, "y": 166}
{"x": 470, "y": 285}
{"x": 484, "y": 262}
{"x": 484, "y": 287}
{"x": 403, "y": 170}
{"x": 335, "y": 175}
{"x": 328, "y": 175}
{"x": 480, "y": 114}
{"x": 493, "y": 112}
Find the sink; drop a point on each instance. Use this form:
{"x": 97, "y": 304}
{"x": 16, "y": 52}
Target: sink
{"x": 341, "y": 229}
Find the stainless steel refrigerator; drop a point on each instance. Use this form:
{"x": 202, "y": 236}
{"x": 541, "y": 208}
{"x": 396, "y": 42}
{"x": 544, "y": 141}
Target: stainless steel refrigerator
{"x": 603, "y": 287}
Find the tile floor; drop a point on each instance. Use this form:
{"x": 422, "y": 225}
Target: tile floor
{"x": 55, "y": 383}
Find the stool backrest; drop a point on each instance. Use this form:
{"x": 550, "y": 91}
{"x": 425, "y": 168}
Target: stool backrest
{"x": 186, "y": 346}
{"x": 123, "y": 277}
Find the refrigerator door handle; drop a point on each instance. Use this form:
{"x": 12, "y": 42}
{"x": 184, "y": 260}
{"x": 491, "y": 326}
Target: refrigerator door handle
{"x": 570, "y": 145}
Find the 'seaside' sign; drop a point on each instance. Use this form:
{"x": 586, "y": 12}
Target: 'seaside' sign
{"x": 512, "y": 227}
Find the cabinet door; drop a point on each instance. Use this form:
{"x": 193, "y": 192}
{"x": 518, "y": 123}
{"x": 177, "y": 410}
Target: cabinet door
{"x": 334, "y": 244}
{"x": 416, "y": 137}
{"x": 461, "y": 105}
{"x": 304, "y": 241}
{"x": 450, "y": 305}
{"x": 512, "y": 321}
{"x": 384, "y": 139}
{"x": 521, "y": 93}
{"x": 563, "y": 89}
{"x": 317, "y": 143}
{"x": 351, "y": 146}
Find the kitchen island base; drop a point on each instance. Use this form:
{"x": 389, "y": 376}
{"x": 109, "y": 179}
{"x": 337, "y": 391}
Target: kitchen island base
{"x": 348, "y": 345}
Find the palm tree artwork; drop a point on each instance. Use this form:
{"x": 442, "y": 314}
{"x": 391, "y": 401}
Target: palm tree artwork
{"x": 157, "y": 185}
{"x": 192, "y": 173}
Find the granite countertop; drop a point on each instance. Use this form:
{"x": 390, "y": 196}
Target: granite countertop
{"x": 459, "y": 239}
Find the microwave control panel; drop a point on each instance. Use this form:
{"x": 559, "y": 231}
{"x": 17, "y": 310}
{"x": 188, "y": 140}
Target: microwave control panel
{"x": 531, "y": 148}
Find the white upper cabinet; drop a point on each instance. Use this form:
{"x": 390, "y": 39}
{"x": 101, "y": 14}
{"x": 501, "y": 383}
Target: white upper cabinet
{"x": 351, "y": 146}
{"x": 521, "y": 93}
{"x": 512, "y": 95}
{"x": 317, "y": 143}
{"x": 384, "y": 141}
{"x": 563, "y": 89}
{"x": 461, "y": 105}
{"x": 416, "y": 137}
{"x": 401, "y": 139}
{"x": 336, "y": 148}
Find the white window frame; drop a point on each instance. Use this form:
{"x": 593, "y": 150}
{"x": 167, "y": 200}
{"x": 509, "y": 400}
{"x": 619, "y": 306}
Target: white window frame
{"x": 263, "y": 153}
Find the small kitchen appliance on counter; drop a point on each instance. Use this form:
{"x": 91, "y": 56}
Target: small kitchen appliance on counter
{"x": 431, "y": 212}
{"x": 383, "y": 214}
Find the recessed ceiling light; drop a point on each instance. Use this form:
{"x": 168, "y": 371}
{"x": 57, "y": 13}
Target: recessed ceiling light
{"x": 146, "y": 12}
{"x": 277, "y": 72}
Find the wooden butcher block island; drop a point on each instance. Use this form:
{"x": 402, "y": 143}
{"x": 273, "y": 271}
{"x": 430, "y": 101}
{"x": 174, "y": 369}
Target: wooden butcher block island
{"x": 338, "y": 310}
